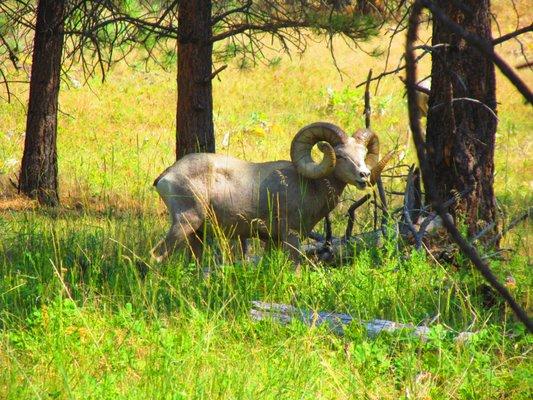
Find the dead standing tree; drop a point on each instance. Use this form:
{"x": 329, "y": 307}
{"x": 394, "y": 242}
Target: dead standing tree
{"x": 422, "y": 147}
{"x": 461, "y": 120}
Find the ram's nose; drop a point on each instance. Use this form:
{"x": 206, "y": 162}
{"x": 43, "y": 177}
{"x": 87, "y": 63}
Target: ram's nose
{"x": 364, "y": 175}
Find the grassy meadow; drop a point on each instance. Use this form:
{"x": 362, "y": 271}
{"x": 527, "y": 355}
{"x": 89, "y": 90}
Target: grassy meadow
{"x": 84, "y": 315}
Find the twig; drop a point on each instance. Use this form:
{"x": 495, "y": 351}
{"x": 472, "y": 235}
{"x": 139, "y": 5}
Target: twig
{"x": 351, "y": 214}
{"x": 416, "y": 129}
{"x": 511, "y": 35}
{"x": 375, "y": 219}
{"x": 394, "y": 192}
{"x": 383, "y": 200}
{"x": 393, "y": 71}
{"x": 367, "y": 100}
{"x": 379, "y": 182}
{"x": 417, "y": 195}
{"x": 408, "y": 201}
{"x": 6, "y": 83}
{"x": 432, "y": 215}
{"x": 419, "y": 88}
{"x": 327, "y": 226}
{"x": 16, "y": 185}
{"x": 218, "y": 18}
{"x": 511, "y": 225}
{"x": 475, "y": 101}
{"x": 524, "y": 65}
{"x": 217, "y": 71}
{"x": 316, "y": 236}
{"x": 482, "y": 232}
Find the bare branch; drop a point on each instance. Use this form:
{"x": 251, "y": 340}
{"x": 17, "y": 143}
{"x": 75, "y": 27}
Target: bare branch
{"x": 351, "y": 215}
{"x": 513, "y": 34}
{"x": 367, "y": 100}
{"x": 524, "y": 65}
{"x": 483, "y": 46}
{"x": 469, "y": 99}
{"x": 513, "y": 223}
{"x": 6, "y": 83}
{"x": 393, "y": 71}
{"x": 217, "y": 18}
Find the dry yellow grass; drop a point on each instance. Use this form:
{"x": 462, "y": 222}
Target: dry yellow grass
{"x": 114, "y": 138}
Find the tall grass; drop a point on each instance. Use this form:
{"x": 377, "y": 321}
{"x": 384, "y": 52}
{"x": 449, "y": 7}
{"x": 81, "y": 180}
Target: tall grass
{"x": 83, "y": 315}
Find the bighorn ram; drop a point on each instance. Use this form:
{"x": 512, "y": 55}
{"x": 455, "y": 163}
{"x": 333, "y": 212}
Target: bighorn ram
{"x": 278, "y": 201}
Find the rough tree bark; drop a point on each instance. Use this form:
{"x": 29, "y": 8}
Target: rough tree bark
{"x": 194, "y": 125}
{"x": 38, "y": 176}
{"x": 461, "y": 134}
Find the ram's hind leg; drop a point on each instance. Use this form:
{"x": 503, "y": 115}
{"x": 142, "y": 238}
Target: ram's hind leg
{"x": 183, "y": 230}
{"x": 196, "y": 245}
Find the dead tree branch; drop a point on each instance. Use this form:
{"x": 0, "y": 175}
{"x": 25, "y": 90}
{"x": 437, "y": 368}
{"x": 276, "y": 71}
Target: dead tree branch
{"x": 511, "y": 225}
{"x": 367, "y": 100}
{"x": 512, "y": 35}
{"x": 469, "y": 99}
{"x": 284, "y": 314}
{"x": 524, "y": 65}
{"x": 351, "y": 215}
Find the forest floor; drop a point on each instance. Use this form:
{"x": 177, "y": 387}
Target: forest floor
{"x": 82, "y": 315}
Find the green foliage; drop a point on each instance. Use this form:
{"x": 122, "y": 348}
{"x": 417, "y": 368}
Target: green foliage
{"x": 342, "y": 103}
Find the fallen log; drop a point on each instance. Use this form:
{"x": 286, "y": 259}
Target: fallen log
{"x": 284, "y": 314}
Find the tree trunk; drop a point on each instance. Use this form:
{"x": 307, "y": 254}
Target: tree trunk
{"x": 194, "y": 125}
{"x": 461, "y": 134}
{"x": 38, "y": 176}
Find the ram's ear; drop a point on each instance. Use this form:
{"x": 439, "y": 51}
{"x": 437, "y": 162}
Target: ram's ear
{"x": 371, "y": 141}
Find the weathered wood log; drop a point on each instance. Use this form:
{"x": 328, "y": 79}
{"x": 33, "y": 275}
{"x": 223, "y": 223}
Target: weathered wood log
{"x": 284, "y": 314}
{"x": 339, "y": 248}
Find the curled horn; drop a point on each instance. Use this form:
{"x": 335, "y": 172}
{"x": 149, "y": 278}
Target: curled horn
{"x": 376, "y": 171}
{"x": 329, "y": 135}
{"x": 372, "y": 161}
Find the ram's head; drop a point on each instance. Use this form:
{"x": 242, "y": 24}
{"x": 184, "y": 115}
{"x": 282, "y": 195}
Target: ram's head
{"x": 352, "y": 159}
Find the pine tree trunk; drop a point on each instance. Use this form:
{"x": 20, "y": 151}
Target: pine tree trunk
{"x": 194, "y": 125}
{"x": 461, "y": 134}
{"x": 38, "y": 176}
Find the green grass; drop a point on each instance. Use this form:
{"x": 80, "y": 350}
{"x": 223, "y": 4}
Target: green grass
{"x": 83, "y": 316}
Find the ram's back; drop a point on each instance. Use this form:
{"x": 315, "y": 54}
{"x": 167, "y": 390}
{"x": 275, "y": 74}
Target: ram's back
{"x": 236, "y": 193}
